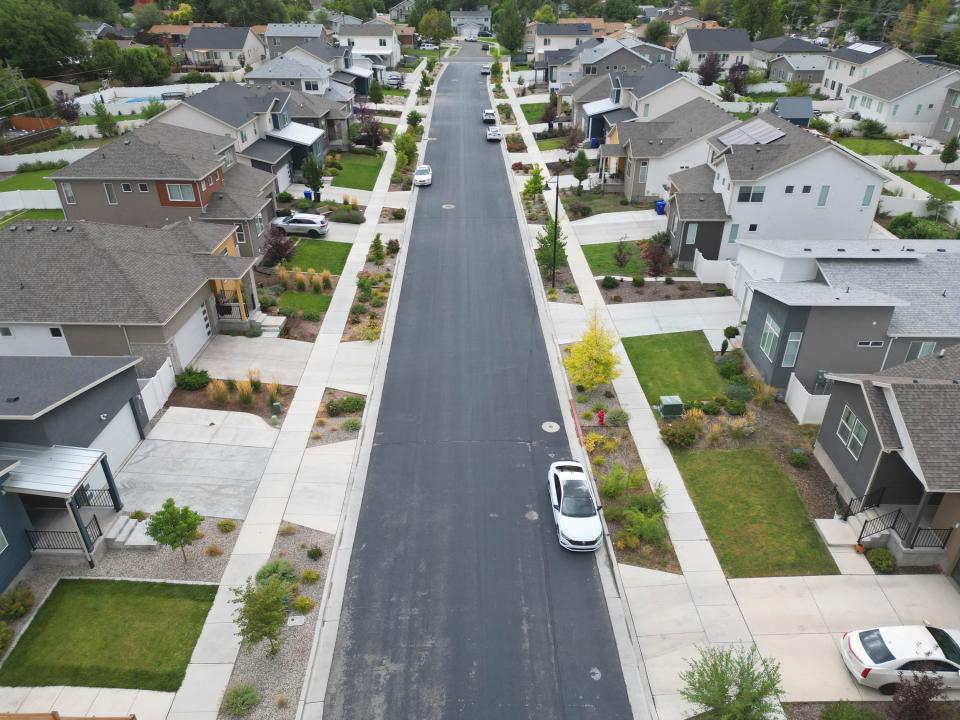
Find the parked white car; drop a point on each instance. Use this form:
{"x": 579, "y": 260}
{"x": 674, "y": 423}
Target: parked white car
{"x": 423, "y": 176}
{"x": 494, "y": 134}
{"x": 879, "y": 657}
{"x": 484, "y": 69}
{"x": 429, "y": 46}
{"x": 575, "y": 508}
{"x": 308, "y": 224}
{"x": 394, "y": 81}
{"x": 489, "y": 117}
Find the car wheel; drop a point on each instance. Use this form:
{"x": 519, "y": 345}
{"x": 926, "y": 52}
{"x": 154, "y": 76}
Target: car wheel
{"x": 313, "y": 234}
{"x": 888, "y": 689}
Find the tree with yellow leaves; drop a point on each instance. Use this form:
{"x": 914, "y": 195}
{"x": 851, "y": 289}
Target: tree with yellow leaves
{"x": 591, "y": 361}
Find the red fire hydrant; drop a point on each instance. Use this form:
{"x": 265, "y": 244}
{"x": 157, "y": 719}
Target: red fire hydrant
{"x": 601, "y": 416}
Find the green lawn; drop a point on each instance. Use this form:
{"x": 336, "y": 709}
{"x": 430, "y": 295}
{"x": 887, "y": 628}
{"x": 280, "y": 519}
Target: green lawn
{"x": 551, "y": 143}
{"x": 92, "y": 119}
{"x": 762, "y": 97}
{"x": 32, "y": 215}
{"x": 33, "y": 180}
{"x": 600, "y": 258}
{"x": 601, "y": 202}
{"x": 869, "y": 146}
{"x": 421, "y": 53}
{"x": 743, "y": 115}
{"x": 396, "y": 92}
{"x": 311, "y": 304}
{"x": 320, "y": 255}
{"x": 675, "y": 364}
{"x": 359, "y": 171}
{"x": 753, "y": 514}
{"x": 111, "y": 633}
{"x": 533, "y": 111}
{"x": 931, "y": 185}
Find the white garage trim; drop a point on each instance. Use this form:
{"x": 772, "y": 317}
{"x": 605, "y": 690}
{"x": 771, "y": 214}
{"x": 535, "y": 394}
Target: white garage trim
{"x": 193, "y": 336}
{"x": 119, "y": 438}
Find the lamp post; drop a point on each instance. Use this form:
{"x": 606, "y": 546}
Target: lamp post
{"x": 556, "y": 230}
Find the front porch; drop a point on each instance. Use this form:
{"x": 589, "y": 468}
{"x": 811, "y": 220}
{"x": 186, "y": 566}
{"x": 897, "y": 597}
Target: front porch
{"x": 613, "y": 165}
{"x": 236, "y": 301}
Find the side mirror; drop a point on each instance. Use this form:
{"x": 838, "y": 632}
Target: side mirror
{"x": 599, "y": 507}
{"x": 556, "y": 507}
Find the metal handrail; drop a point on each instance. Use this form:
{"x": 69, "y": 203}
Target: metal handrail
{"x": 99, "y": 497}
{"x": 93, "y": 529}
{"x": 897, "y": 521}
{"x": 859, "y": 504}
{"x": 879, "y": 524}
{"x": 54, "y": 540}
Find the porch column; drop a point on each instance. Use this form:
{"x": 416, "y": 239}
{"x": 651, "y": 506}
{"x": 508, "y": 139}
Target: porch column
{"x": 915, "y": 525}
{"x": 111, "y": 484}
{"x": 84, "y": 537}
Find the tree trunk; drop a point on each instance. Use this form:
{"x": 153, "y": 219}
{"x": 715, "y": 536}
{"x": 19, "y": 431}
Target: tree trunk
{"x": 183, "y": 551}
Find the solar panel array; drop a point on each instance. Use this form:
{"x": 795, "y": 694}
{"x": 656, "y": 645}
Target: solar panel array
{"x": 755, "y": 132}
{"x": 864, "y": 48}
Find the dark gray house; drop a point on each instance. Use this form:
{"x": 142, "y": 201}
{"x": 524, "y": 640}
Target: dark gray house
{"x": 888, "y": 443}
{"x": 66, "y": 424}
{"x": 281, "y": 37}
{"x": 948, "y": 123}
{"x": 793, "y": 68}
{"x": 697, "y": 216}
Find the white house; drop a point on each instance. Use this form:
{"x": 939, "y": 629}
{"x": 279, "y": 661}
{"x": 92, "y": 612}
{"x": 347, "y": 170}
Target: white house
{"x": 468, "y": 23}
{"x": 223, "y": 48}
{"x": 375, "y": 41}
{"x": 768, "y": 50}
{"x": 52, "y": 87}
{"x": 680, "y": 25}
{"x": 732, "y": 45}
{"x": 907, "y": 97}
{"x": 549, "y": 37}
{"x": 401, "y": 11}
{"x": 852, "y": 63}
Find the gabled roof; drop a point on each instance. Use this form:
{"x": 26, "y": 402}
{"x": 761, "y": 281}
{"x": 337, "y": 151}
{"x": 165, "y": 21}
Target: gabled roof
{"x": 694, "y": 198}
{"x": 323, "y": 50}
{"x": 369, "y": 29}
{"x": 233, "y": 104}
{"x": 786, "y": 44}
{"x": 597, "y": 49}
{"x": 284, "y": 67}
{"x": 818, "y": 294}
{"x": 793, "y": 107}
{"x": 169, "y": 29}
{"x": 304, "y": 30}
{"x": 570, "y": 30}
{"x": 678, "y": 128}
{"x": 859, "y": 53}
{"x": 723, "y": 40}
{"x": 589, "y": 88}
{"x": 481, "y": 13}
{"x": 242, "y": 195}
{"x": 804, "y": 62}
{"x": 647, "y": 81}
{"x": 222, "y": 38}
{"x": 901, "y": 79}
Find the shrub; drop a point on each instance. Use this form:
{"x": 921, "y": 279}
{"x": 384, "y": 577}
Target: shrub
{"x": 872, "y": 128}
{"x": 678, "y": 434}
{"x": 625, "y": 540}
{"x": 730, "y": 332}
{"x": 345, "y": 405}
{"x": 881, "y": 560}
{"x": 741, "y": 427}
{"x": 695, "y": 417}
{"x": 41, "y": 165}
{"x": 639, "y": 281}
{"x": 845, "y": 710}
{"x": 393, "y": 247}
{"x": 284, "y": 197}
{"x": 648, "y": 503}
{"x": 138, "y": 515}
{"x": 732, "y": 682}
{"x": 712, "y": 407}
{"x": 287, "y": 529}
{"x": 354, "y": 217}
{"x": 916, "y": 695}
{"x": 398, "y": 213}
{"x": 736, "y": 407}
{"x": 244, "y": 392}
{"x": 217, "y": 390}
{"x": 277, "y": 568}
{"x": 315, "y": 552}
{"x": 613, "y": 482}
{"x": 722, "y": 291}
{"x": 618, "y": 418}
{"x": 798, "y": 458}
{"x": 6, "y": 637}
{"x": 226, "y": 526}
{"x": 351, "y": 425}
{"x": 16, "y": 602}
{"x": 192, "y": 378}
{"x": 647, "y": 527}
{"x": 743, "y": 393}
{"x": 580, "y": 209}
{"x": 615, "y": 514}
{"x": 570, "y": 289}
{"x": 714, "y": 433}
{"x": 281, "y": 700}
{"x": 240, "y": 699}
{"x": 309, "y": 577}
{"x": 266, "y": 299}
{"x": 609, "y": 282}
{"x": 253, "y": 375}
{"x": 214, "y": 551}
{"x": 303, "y": 604}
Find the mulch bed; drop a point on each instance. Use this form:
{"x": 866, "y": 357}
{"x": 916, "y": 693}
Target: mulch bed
{"x": 328, "y": 429}
{"x": 300, "y": 329}
{"x": 654, "y": 290}
{"x": 564, "y": 278}
{"x": 535, "y": 209}
{"x": 386, "y": 216}
{"x": 812, "y": 711}
{"x": 565, "y": 167}
{"x": 356, "y": 324}
{"x": 201, "y": 400}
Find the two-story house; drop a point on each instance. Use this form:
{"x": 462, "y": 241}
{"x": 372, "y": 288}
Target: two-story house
{"x": 680, "y": 25}
{"x": 948, "y": 122}
{"x": 337, "y": 20}
{"x": 771, "y": 180}
{"x": 550, "y": 37}
{"x": 280, "y": 37}
{"x": 223, "y": 49}
{"x": 400, "y": 12}
{"x": 159, "y": 174}
{"x": 594, "y": 57}
{"x": 469, "y": 23}
{"x": 639, "y": 156}
{"x": 731, "y": 44}
{"x": 798, "y": 68}
{"x": 375, "y": 41}
{"x": 348, "y": 78}
{"x": 767, "y": 50}
{"x": 258, "y": 119}
{"x": 852, "y": 63}
{"x": 175, "y": 36}
{"x": 907, "y": 97}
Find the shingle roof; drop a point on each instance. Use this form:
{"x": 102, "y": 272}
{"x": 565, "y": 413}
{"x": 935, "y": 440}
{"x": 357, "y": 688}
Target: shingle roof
{"x": 882, "y": 418}
{"x": 787, "y": 44}
{"x": 242, "y": 195}
{"x": 156, "y": 151}
{"x": 648, "y": 80}
{"x": 793, "y": 107}
{"x": 700, "y": 206}
{"x": 930, "y": 415}
{"x": 804, "y": 62}
{"x": 848, "y": 53}
{"x": 485, "y": 12}
{"x": 726, "y": 39}
{"x": 554, "y": 29}
{"x": 902, "y": 78}
{"x": 233, "y": 104}
{"x": 590, "y": 88}
{"x": 698, "y": 179}
{"x": 818, "y": 294}
{"x": 315, "y": 30}
{"x": 285, "y": 67}
{"x": 223, "y": 38}
{"x": 324, "y": 50}
{"x": 597, "y": 49}
{"x": 303, "y": 105}
{"x": 107, "y": 274}
{"x": 687, "y": 123}
{"x": 370, "y": 29}
{"x": 268, "y": 151}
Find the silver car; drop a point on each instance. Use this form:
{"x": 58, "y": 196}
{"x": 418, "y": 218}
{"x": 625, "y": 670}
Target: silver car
{"x": 309, "y": 224}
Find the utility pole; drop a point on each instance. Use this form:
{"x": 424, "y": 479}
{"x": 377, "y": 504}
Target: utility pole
{"x": 556, "y": 230}
{"x": 833, "y": 40}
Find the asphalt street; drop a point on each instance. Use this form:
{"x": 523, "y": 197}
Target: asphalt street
{"x": 459, "y": 602}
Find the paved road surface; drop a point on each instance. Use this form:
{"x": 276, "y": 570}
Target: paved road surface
{"x": 459, "y": 602}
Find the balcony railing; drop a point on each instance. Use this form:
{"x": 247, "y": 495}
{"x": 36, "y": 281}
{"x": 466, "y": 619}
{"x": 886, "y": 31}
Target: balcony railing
{"x": 63, "y": 539}
{"x": 94, "y": 497}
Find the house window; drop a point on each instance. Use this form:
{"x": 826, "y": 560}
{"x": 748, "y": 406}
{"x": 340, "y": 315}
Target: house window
{"x": 879, "y": 107}
{"x": 111, "y": 195}
{"x": 791, "y": 349}
{"x": 869, "y": 343}
{"x": 691, "y": 233}
{"x": 868, "y": 195}
{"x": 948, "y": 125}
{"x": 310, "y": 85}
{"x": 824, "y": 192}
{"x": 701, "y": 57}
{"x": 646, "y": 109}
{"x": 258, "y": 221}
{"x": 351, "y": 42}
{"x": 228, "y": 157}
{"x": 546, "y": 41}
{"x": 180, "y": 193}
{"x": 734, "y": 231}
{"x": 143, "y": 187}
{"x": 893, "y": 112}
{"x": 867, "y": 102}
{"x": 806, "y": 189}
{"x": 643, "y": 171}
{"x": 769, "y": 338}
{"x": 5, "y": 332}
{"x": 383, "y": 42}
{"x": 241, "y": 238}
{"x": 68, "y": 194}
{"x": 852, "y": 432}
{"x": 852, "y": 70}
{"x": 3, "y": 542}
{"x": 276, "y": 41}
{"x": 243, "y": 136}
{"x": 56, "y": 332}
{"x": 751, "y": 193}
{"x": 126, "y": 187}
{"x": 230, "y": 55}
{"x": 788, "y": 189}
{"x": 917, "y": 111}
{"x": 919, "y": 349}
{"x": 752, "y": 227}
{"x": 853, "y": 102}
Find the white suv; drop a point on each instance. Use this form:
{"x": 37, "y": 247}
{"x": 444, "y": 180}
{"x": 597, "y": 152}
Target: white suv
{"x": 307, "y": 224}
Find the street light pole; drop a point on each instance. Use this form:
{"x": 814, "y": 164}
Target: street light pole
{"x": 556, "y": 230}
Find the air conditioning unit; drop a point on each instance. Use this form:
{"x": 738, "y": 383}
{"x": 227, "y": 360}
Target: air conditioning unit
{"x": 671, "y": 406}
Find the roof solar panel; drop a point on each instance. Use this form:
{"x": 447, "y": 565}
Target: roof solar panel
{"x": 755, "y": 132}
{"x": 864, "y": 48}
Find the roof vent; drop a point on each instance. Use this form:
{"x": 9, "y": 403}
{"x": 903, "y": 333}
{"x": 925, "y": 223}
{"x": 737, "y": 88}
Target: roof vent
{"x": 69, "y": 228}
{"x": 808, "y": 249}
{"x": 941, "y": 249}
{"x": 54, "y": 228}
{"x": 874, "y": 249}
{"x": 28, "y": 228}
{"x": 944, "y": 293}
{"x": 941, "y": 353}
{"x": 702, "y": 198}
{"x": 915, "y": 381}
{"x": 841, "y": 249}
{"x": 126, "y": 142}
{"x": 15, "y": 398}
{"x": 12, "y": 228}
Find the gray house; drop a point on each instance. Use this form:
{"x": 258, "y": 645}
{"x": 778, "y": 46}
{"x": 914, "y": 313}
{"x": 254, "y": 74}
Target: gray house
{"x": 694, "y": 204}
{"x": 470, "y": 22}
{"x": 767, "y": 50}
{"x": 888, "y": 443}
{"x": 793, "y": 68}
{"x": 281, "y": 37}
{"x": 66, "y": 424}
{"x": 948, "y": 123}
{"x": 797, "y": 110}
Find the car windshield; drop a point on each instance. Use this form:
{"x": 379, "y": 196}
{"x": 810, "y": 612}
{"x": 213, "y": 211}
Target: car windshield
{"x": 947, "y": 644}
{"x": 577, "y": 506}
{"x": 422, "y": 171}
{"x": 875, "y": 646}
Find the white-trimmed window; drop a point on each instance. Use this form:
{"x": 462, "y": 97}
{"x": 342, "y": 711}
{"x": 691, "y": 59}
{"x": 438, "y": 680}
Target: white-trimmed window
{"x": 691, "y": 238}
{"x": 3, "y": 542}
{"x": 824, "y": 194}
{"x": 311, "y": 85}
{"x": 243, "y": 135}
{"x": 229, "y": 158}
{"x": 751, "y": 193}
{"x": 646, "y": 109}
{"x": 791, "y": 349}
{"x": 955, "y": 102}
{"x": 126, "y": 187}
{"x": 111, "y": 194}
{"x": 180, "y": 193}
{"x": 56, "y": 332}
{"x": 642, "y": 177}
{"x": 258, "y": 221}
{"x": 919, "y": 349}
{"x": 241, "y": 236}
{"x": 143, "y": 187}
{"x": 734, "y": 232}
{"x": 852, "y": 432}
{"x": 868, "y": 195}
{"x": 870, "y": 343}
{"x": 948, "y": 125}
{"x": 68, "y": 195}
{"x": 5, "y": 332}
{"x": 769, "y": 338}
{"x": 893, "y": 112}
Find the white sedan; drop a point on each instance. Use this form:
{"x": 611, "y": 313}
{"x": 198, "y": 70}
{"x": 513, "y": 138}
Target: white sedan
{"x": 484, "y": 69}
{"x": 423, "y": 176}
{"x": 309, "y": 224}
{"x": 575, "y": 509}
{"x": 880, "y": 657}
{"x": 494, "y": 134}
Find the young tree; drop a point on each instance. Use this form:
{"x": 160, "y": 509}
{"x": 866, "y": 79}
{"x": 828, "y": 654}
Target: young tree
{"x": 174, "y": 527}
{"x": 545, "y": 14}
{"x": 65, "y": 107}
{"x": 262, "y": 612}
{"x": 375, "y": 92}
{"x": 949, "y": 153}
{"x": 106, "y": 123}
{"x": 183, "y": 15}
{"x": 152, "y": 109}
{"x": 414, "y": 118}
{"x": 277, "y": 248}
{"x": 710, "y": 69}
{"x": 739, "y": 76}
{"x": 435, "y": 25}
{"x": 711, "y": 9}
{"x": 377, "y": 254}
{"x": 581, "y": 168}
{"x": 510, "y": 27}
{"x": 534, "y": 185}
{"x": 544, "y": 250}
{"x": 732, "y": 683}
{"x": 622, "y": 254}
{"x": 656, "y": 31}
{"x": 312, "y": 171}
{"x": 574, "y": 140}
{"x": 549, "y": 115}
{"x": 901, "y": 35}
{"x": 936, "y": 206}
{"x": 656, "y": 257}
{"x": 591, "y": 361}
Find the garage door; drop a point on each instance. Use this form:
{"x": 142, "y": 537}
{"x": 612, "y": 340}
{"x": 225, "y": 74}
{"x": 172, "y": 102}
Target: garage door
{"x": 194, "y": 334}
{"x": 118, "y": 438}
{"x": 283, "y": 177}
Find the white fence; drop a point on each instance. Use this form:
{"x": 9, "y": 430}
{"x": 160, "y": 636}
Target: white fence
{"x": 920, "y": 162}
{"x": 714, "y": 271}
{"x": 157, "y": 389}
{"x": 806, "y": 408}
{"x": 90, "y": 131}
{"x": 30, "y": 200}
{"x": 9, "y": 163}
{"x": 127, "y": 100}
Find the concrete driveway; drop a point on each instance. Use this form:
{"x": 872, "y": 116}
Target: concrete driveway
{"x": 711, "y": 315}
{"x": 608, "y": 227}
{"x": 211, "y": 460}
{"x": 230, "y": 356}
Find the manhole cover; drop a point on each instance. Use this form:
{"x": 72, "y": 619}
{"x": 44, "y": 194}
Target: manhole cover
{"x": 448, "y": 206}
{"x": 550, "y": 427}
{"x": 296, "y": 620}
{"x": 532, "y": 515}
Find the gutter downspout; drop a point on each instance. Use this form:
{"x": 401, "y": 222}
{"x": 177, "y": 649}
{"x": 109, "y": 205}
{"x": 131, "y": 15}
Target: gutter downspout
{"x": 883, "y": 364}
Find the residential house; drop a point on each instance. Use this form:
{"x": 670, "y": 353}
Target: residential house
{"x": 223, "y": 49}
{"x": 680, "y": 25}
{"x": 767, "y": 50}
{"x": 400, "y": 12}
{"x": 550, "y": 37}
{"x": 593, "y": 57}
{"x": 653, "y": 53}
{"x": 948, "y": 123}
{"x": 52, "y": 87}
{"x": 316, "y": 111}
{"x": 828, "y": 28}
{"x": 598, "y": 25}
{"x": 732, "y": 45}
{"x": 160, "y": 174}
{"x": 337, "y": 20}
{"x": 66, "y": 425}
{"x": 281, "y": 37}
{"x": 798, "y": 110}
{"x": 467, "y": 23}
{"x": 92, "y": 30}
{"x": 888, "y": 444}
{"x": 377, "y": 42}
{"x": 907, "y": 97}
{"x": 639, "y": 157}
{"x": 407, "y": 34}
{"x": 794, "y": 68}
{"x": 303, "y": 74}
{"x": 175, "y": 36}
{"x": 851, "y": 63}
{"x": 347, "y": 78}
{"x": 587, "y": 89}
{"x": 774, "y": 181}
{"x": 258, "y": 119}
{"x": 157, "y": 293}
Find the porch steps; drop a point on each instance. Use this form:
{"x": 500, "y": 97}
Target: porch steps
{"x": 129, "y": 533}
{"x": 139, "y": 540}
{"x": 270, "y": 325}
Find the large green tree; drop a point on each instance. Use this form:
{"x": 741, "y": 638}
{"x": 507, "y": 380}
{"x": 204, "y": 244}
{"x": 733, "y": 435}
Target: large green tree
{"x": 656, "y": 32}
{"x": 620, "y": 10}
{"x": 104, "y": 56}
{"x": 545, "y": 14}
{"x": 435, "y": 26}
{"x": 510, "y": 27}
{"x": 760, "y": 18}
{"x": 38, "y": 36}
{"x": 106, "y": 10}
{"x": 143, "y": 66}
{"x": 249, "y": 12}
{"x": 146, "y": 16}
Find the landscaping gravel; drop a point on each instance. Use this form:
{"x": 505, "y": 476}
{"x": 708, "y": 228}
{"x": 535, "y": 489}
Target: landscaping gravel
{"x": 281, "y": 677}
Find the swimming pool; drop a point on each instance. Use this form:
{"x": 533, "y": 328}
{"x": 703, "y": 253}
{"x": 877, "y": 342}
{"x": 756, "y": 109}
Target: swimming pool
{"x": 137, "y": 99}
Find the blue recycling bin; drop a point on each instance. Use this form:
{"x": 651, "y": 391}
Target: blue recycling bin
{"x": 594, "y": 143}
{"x": 308, "y": 194}
{"x": 661, "y": 207}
